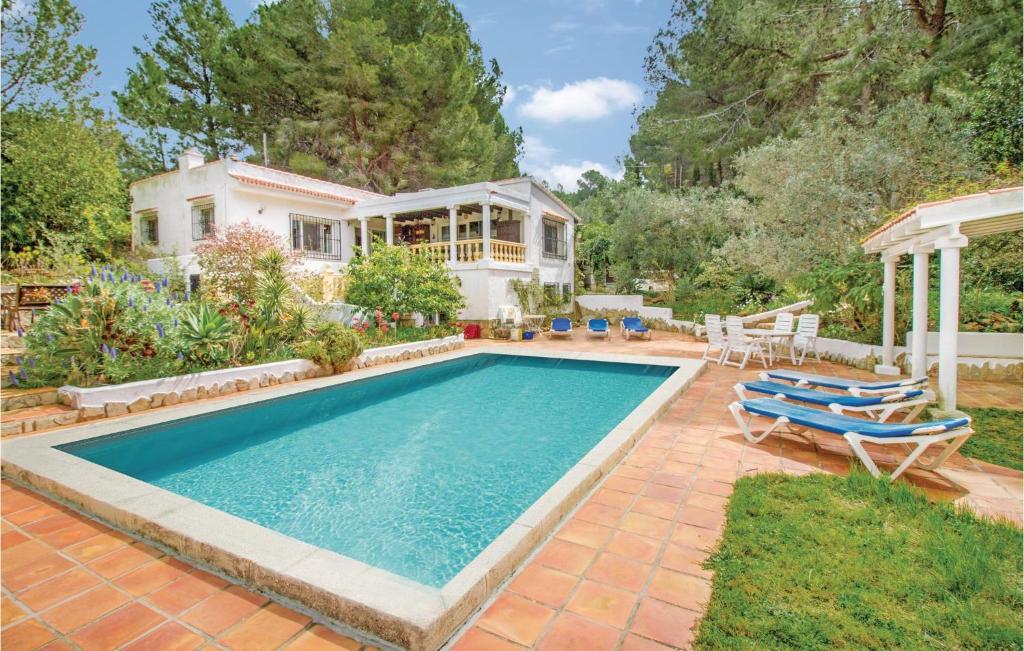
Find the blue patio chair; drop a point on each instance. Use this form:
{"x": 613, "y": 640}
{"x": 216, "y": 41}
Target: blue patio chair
{"x": 856, "y": 387}
{"x": 597, "y": 328}
{"x": 560, "y": 327}
{"x": 879, "y": 407}
{"x": 798, "y": 419}
{"x": 632, "y": 325}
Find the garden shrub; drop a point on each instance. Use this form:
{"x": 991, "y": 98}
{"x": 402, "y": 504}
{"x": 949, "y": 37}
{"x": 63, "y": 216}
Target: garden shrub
{"x": 393, "y": 279}
{"x": 230, "y": 261}
{"x": 331, "y": 344}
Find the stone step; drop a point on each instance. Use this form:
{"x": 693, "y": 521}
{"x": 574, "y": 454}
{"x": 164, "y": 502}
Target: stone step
{"x": 11, "y": 340}
{"x": 35, "y": 419}
{"x": 9, "y": 356}
{"x": 11, "y": 398}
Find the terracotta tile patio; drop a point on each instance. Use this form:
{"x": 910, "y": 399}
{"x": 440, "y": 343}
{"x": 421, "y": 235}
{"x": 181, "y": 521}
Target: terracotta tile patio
{"x": 624, "y": 572}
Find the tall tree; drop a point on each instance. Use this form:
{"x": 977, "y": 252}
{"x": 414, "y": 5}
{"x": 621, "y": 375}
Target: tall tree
{"x": 175, "y": 84}
{"x": 40, "y": 63}
{"x": 386, "y": 95}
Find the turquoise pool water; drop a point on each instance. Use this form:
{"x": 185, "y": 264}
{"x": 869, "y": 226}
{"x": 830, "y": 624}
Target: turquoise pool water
{"x": 414, "y": 472}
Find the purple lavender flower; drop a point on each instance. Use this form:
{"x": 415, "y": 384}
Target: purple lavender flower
{"x": 113, "y": 353}
{"x": 18, "y": 360}
{"x": 160, "y": 330}
{"x": 175, "y": 322}
{"x": 23, "y": 375}
{"x": 131, "y": 302}
{"x": 168, "y": 301}
{"x": 92, "y": 271}
{"x": 31, "y": 362}
{"x": 13, "y": 378}
{"x": 49, "y": 338}
{"x": 21, "y": 333}
{"x": 181, "y": 358}
{"x": 124, "y": 277}
{"x": 105, "y": 349}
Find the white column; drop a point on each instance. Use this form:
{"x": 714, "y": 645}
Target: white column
{"x": 453, "y": 234}
{"x": 949, "y": 316}
{"x": 919, "y": 334}
{"x": 485, "y": 229}
{"x": 888, "y": 316}
{"x": 389, "y": 234}
{"x": 364, "y": 234}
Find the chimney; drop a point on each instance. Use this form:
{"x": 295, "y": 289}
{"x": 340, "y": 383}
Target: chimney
{"x": 190, "y": 158}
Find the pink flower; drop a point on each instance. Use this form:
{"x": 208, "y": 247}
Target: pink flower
{"x": 394, "y": 316}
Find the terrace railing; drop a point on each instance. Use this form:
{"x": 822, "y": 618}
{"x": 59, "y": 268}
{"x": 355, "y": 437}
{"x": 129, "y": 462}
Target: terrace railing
{"x": 473, "y": 250}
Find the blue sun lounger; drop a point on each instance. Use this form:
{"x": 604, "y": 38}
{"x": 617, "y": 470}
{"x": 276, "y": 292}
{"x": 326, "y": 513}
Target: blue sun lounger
{"x": 597, "y": 328}
{"x": 560, "y": 327}
{"x": 877, "y": 406}
{"x": 632, "y": 325}
{"x": 856, "y": 387}
{"x": 856, "y": 431}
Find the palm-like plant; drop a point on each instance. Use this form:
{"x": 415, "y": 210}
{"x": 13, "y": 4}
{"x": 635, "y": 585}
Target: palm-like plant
{"x": 206, "y": 333}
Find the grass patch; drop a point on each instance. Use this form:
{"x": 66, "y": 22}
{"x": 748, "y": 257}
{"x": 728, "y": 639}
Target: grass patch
{"x": 997, "y": 437}
{"x": 821, "y": 561}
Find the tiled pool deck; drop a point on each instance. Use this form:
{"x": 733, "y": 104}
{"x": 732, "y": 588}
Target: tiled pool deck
{"x": 623, "y": 572}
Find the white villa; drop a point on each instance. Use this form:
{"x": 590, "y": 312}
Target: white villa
{"x": 510, "y": 229}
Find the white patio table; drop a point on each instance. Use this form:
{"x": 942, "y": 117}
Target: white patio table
{"x": 770, "y": 337}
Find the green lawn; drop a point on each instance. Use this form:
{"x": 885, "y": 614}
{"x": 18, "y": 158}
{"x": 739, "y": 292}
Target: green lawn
{"x": 822, "y": 562}
{"x": 997, "y": 437}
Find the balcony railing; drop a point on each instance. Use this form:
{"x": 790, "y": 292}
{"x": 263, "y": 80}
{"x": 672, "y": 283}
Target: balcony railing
{"x": 473, "y": 250}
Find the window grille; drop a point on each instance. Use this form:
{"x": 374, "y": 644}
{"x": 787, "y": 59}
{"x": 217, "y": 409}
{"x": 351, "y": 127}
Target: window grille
{"x": 202, "y": 221}
{"x": 554, "y": 240}
{"x": 316, "y": 237}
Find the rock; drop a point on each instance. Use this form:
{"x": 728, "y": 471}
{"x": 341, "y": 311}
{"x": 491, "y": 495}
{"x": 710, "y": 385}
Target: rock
{"x": 171, "y": 398}
{"x": 272, "y": 380}
{"x": 116, "y": 409}
{"x": 263, "y": 381}
{"x": 188, "y": 395}
{"x": 254, "y": 383}
{"x": 287, "y": 377}
{"x": 156, "y": 400}
{"x": 227, "y": 388}
{"x": 242, "y": 385}
{"x": 141, "y": 403}
{"x": 12, "y": 428}
{"x": 212, "y": 391}
{"x": 91, "y": 413}
{"x": 201, "y": 392}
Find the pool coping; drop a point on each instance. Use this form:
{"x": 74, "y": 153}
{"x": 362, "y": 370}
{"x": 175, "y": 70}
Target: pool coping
{"x": 369, "y": 599}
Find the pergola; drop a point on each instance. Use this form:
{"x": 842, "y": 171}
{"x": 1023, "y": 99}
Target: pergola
{"x": 946, "y": 226}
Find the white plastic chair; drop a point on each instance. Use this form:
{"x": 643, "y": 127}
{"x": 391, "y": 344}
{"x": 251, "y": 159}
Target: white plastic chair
{"x": 733, "y": 320}
{"x": 806, "y": 336}
{"x": 716, "y": 338}
{"x": 739, "y": 343}
{"x": 783, "y": 325}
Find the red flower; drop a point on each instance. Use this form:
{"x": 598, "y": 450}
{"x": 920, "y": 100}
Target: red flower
{"x": 394, "y": 316}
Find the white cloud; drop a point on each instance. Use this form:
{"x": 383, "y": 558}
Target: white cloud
{"x": 589, "y": 99}
{"x": 510, "y": 95}
{"x": 539, "y": 161}
{"x": 558, "y": 48}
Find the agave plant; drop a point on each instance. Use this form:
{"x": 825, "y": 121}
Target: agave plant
{"x": 206, "y": 334}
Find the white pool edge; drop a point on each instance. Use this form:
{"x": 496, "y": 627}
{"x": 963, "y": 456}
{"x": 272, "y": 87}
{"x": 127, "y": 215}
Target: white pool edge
{"x": 364, "y": 597}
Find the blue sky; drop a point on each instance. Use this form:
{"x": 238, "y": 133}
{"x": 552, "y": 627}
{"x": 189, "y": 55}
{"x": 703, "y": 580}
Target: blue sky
{"x": 574, "y": 69}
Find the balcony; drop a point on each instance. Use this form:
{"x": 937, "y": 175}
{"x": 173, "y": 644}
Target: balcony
{"x": 473, "y": 250}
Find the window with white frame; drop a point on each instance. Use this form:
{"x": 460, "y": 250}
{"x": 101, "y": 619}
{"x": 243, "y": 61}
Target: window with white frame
{"x": 202, "y": 221}
{"x": 554, "y": 239}
{"x": 316, "y": 237}
{"x": 149, "y": 233}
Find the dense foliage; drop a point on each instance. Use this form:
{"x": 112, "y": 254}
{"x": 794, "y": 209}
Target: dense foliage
{"x": 394, "y": 280}
{"x": 783, "y": 132}
{"x": 382, "y": 95}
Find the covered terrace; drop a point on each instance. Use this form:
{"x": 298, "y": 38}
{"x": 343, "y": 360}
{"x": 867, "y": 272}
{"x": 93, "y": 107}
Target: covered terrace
{"x": 482, "y": 222}
{"x": 944, "y": 226}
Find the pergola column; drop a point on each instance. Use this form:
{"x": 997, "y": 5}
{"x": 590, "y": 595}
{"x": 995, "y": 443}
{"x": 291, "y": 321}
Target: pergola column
{"x": 485, "y": 229}
{"x": 389, "y": 233}
{"x": 888, "y": 316}
{"x": 919, "y": 333}
{"x": 453, "y": 234}
{"x": 949, "y": 315}
{"x": 364, "y": 234}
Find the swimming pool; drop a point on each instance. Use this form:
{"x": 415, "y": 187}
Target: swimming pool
{"x": 393, "y": 499}
{"x": 412, "y": 472}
